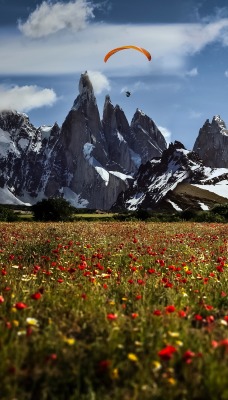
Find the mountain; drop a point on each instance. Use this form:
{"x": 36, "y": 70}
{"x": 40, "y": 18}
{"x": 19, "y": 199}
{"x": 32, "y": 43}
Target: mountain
{"x": 88, "y": 160}
{"x": 175, "y": 181}
{"x": 212, "y": 143}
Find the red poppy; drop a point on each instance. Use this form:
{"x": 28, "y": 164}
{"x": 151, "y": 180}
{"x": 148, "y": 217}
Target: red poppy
{"x": 157, "y": 313}
{"x": 111, "y": 316}
{"x": 167, "y": 352}
{"x": 20, "y": 305}
{"x": 170, "y": 309}
{"x": 187, "y": 356}
{"x": 198, "y": 317}
{"x": 182, "y": 314}
{"x": 36, "y": 296}
{"x": 134, "y": 315}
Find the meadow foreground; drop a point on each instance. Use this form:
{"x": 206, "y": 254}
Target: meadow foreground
{"x": 112, "y": 310}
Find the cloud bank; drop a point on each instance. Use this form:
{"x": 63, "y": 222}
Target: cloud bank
{"x": 25, "y": 98}
{"x": 166, "y": 133}
{"x": 50, "y": 18}
{"x": 99, "y": 81}
{"x": 171, "y": 45}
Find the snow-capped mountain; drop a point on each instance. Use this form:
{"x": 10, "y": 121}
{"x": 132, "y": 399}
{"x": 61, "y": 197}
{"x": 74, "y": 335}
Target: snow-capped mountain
{"x": 212, "y": 143}
{"x": 176, "y": 180}
{"x": 88, "y": 161}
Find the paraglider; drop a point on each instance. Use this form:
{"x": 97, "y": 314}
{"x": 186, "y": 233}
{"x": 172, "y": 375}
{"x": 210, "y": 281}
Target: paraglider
{"x": 128, "y": 93}
{"x": 113, "y": 51}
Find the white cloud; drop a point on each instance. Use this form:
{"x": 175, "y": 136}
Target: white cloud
{"x": 99, "y": 81}
{"x": 195, "y": 114}
{"x": 226, "y": 73}
{"x": 50, "y": 18}
{"x": 171, "y": 46}
{"x": 166, "y": 133}
{"x": 25, "y": 98}
{"x": 192, "y": 72}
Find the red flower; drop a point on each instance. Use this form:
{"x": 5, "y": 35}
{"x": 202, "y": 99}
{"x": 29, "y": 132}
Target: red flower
{"x": 167, "y": 352}
{"x": 223, "y": 343}
{"x": 198, "y": 317}
{"x": 170, "y": 309}
{"x": 187, "y": 356}
{"x": 60, "y": 280}
{"x": 151, "y": 271}
{"x": 111, "y": 316}
{"x": 157, "y": 313}
{"x": 1, "y": 299}
{"x": 20, "y": 305}
{"x": 104, "y": 365}
{"x": 134, "y": 315}
{"x": 36, "y": 296}
{"x": 138, "y": 297}
{"x": 182, "y": 314}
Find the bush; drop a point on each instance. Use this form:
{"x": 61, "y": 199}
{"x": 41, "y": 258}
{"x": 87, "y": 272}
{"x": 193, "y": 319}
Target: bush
{"x": 221, "y": 209}
{"x": 207, "y": 216}
{"x": 188, "y": 215}
{"x": 54, "y": 209}
{"x": 7, "y": 215}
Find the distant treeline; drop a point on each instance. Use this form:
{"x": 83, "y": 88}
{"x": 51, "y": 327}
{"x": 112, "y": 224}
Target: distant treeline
{"x": 61, "y": 210}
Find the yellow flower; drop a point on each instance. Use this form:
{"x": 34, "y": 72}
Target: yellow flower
{"x": 70, "y": 341}
{"x": 15, "y": 322}
{"x": 124, "y": 298}
{"x": 156, "y": 365}
{"x": 179, "y": 343}
{"x": 112, "y": 303}
{"x": 132, "y": 357}
{"x": 172, "y": 381}
{"x": 115, "y": 373}
{"x": 173, "y": 334}
{"x": 32, "y": 321}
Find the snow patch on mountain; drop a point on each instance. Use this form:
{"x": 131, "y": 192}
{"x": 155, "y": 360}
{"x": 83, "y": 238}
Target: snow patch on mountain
{"x": 220, "y": 188}
{"x": 7, "y": 197}
{"x": 74, "y": 199}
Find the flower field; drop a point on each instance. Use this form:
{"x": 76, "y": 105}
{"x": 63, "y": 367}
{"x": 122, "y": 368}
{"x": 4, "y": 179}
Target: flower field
{"x": 113, "y": 310}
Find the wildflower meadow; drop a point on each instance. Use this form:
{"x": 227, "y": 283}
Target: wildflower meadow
{"x": 113, "y": 310}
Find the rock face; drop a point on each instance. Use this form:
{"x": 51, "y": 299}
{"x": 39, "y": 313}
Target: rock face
{"x": 212, "y": 143}
{"x": 158, "y": 179}
{"x": 88, "y": 161}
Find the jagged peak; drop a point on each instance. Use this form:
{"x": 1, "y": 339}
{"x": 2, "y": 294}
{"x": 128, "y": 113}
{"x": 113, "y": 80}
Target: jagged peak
{"x": 217, "y": 125}
{"x": 86, "y": 92}
{"x": 107, "y": 102}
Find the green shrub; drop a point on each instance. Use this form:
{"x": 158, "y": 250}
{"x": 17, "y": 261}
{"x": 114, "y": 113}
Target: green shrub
{"x": 221, "y": 209}
{"x": 207, "y": 216}
{"x": 7, "y": 214}
{"x": 53, "y": 209}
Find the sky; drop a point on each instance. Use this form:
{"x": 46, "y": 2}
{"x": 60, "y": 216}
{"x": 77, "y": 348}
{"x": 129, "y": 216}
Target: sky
{"x": 46, "y": 45}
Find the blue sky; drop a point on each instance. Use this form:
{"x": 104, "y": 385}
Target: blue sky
{"x": 46, "y": 45}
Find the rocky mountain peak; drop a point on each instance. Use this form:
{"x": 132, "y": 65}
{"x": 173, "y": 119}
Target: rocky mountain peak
{"x": 212, "y": 142}
{"x": 86, "y": 93}
{"x": 218, "y": 124}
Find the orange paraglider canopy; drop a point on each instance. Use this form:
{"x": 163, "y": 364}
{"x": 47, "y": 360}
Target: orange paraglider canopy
{"x": 113, "y": 51}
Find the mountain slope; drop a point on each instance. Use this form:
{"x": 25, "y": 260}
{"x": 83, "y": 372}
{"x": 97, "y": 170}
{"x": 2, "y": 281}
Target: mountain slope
{"x": 160, "y": 182}
{"x": 88, "y": 161}
{"x": 212, "y": 143}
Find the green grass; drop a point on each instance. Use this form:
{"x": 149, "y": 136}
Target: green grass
{"x": 110, "y": 310}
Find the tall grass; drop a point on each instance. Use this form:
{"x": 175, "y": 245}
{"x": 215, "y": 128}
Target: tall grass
{"x": 111, "y": 310}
